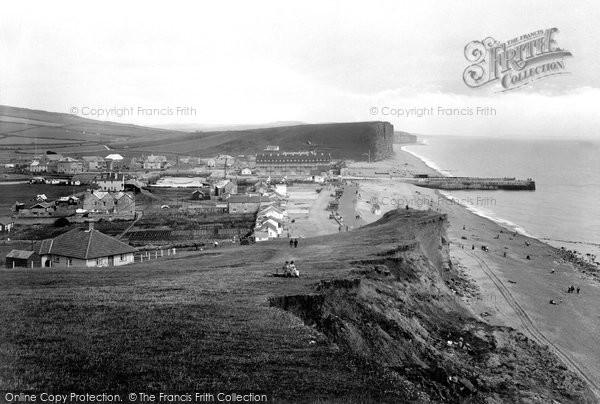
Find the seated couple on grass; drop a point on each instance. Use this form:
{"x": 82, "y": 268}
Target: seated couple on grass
{"x": 289, "y": 269}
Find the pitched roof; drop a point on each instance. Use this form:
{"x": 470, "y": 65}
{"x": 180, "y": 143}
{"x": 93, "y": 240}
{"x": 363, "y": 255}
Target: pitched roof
{"x": 270, "y": 207}
{"x": 6, "y": 220}
{"x": 42, "y": 205}
{"x": 84, "y": 244}
{"x": 266, "y": 225}
{"x": 20, "y": 254}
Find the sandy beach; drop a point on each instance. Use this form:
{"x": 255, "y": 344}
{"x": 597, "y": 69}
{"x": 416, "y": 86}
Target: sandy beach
{"x": 512, "y": 289}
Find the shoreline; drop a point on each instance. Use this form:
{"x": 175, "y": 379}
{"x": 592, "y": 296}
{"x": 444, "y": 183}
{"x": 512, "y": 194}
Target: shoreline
{"x": 586, "y": 246}
{"x": 516, "y": 276}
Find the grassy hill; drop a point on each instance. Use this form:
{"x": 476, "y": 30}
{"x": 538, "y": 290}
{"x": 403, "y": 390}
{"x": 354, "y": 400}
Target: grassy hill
{"x": 25, "y": 132}
{"x": 342, "y": 140}
{"x": 368, "y": 321}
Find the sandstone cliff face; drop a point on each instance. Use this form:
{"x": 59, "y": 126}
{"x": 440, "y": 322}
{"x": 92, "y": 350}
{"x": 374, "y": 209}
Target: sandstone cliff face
{"x": 381, "y": 144}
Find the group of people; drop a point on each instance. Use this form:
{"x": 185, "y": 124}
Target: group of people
{"x": 290, "y": 270}
{"x": 294, "y": 242}
{"x": 572, "y": 289}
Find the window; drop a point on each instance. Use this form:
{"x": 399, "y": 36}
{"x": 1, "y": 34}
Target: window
{"x": 56, "y": 259}
{"x": 98, "y": 261}
{"x": 69, "y": 261}
{"x": 122, "y": 257}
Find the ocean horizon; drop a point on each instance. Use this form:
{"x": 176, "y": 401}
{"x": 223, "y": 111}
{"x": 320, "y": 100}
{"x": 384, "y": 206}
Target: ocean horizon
{"x": 563, "y": 210}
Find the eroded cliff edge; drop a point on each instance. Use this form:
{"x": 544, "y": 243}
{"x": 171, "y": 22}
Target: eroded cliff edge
{"x": 397, "y": 315}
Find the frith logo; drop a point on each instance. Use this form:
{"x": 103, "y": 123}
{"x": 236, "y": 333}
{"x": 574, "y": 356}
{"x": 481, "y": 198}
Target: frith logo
{"x": 515, "y": 63}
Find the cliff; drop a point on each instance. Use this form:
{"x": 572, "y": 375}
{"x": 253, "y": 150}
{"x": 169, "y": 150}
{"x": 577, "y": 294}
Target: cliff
{"x": 404, "y": 137}
{"x": 352, "y": 140}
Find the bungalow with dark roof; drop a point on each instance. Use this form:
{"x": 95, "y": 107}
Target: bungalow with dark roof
{"x": 85, "y": 248}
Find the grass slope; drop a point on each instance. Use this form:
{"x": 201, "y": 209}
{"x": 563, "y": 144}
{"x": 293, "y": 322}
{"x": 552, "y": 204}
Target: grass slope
{"x": 216, "y": 321}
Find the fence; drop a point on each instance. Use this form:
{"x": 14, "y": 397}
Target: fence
{"x": 144, "y": 256}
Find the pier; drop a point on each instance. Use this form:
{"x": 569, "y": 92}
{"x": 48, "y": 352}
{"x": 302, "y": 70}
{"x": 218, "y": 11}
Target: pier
{"x": 468, "y": 183}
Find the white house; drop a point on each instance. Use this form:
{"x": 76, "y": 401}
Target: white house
{"x": 272, "y": 211}
{"x": 111, "y": 182}
{"x": 6, "y": 223}
{"x": 281, "y": 189}
{"x": 85, "y": 248}
{"x": 261, "y": 236}
{"x": 270, "y": 228}
{"x": 278, "y": 224}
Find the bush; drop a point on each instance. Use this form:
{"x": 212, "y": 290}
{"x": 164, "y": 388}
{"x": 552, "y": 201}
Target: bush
{"x": 62, "y": 222}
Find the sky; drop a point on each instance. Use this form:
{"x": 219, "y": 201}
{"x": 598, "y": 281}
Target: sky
{"x": 239, "y": 62}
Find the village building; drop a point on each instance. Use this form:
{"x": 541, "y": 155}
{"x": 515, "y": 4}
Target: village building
{"x": 292, "y": 163}
{"x": 224, "y": 187}
{"x": 69, "y": 165}
{"x": 52, "y": 167}
{"x": 153, "y": 162}
{"x": 272, "y": 211}
{"x": 200, "y": 194}
{"x": 85, "y": 248}
{"x": 114, "y": 161}
{"x": 261, "y": 187}
{"x": 269, "y": 228}
{"x": 260, "y": 235}
{"x": 280, "y": 189}
{"x": 246, "y": 171}
{"x": 116, "y": 204}
{"x": 41, "y": 209}
{"x": 94, "y": 163}
{"x": 22, "y": 259}
{"x": 246, "y": 203}
{"x": 276, "y": 224}
{"x": 37, "y": 167}
{"x": 6, "y": 224}
{"x": 110, "y": 182}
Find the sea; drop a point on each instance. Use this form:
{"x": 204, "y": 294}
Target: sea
{"x": 563, "y": 211}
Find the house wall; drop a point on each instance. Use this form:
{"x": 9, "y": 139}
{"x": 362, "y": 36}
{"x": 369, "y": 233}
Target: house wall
{"x": 63, "y": 262}
{"x": 243, "y": 207}
{"x": 106, "y": 185}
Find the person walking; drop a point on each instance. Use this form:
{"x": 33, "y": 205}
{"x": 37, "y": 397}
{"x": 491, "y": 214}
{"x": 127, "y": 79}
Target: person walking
{"x": 578, "y": 289}
{"x": 291, "y": 242}
{"x": 295, "y": 243}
